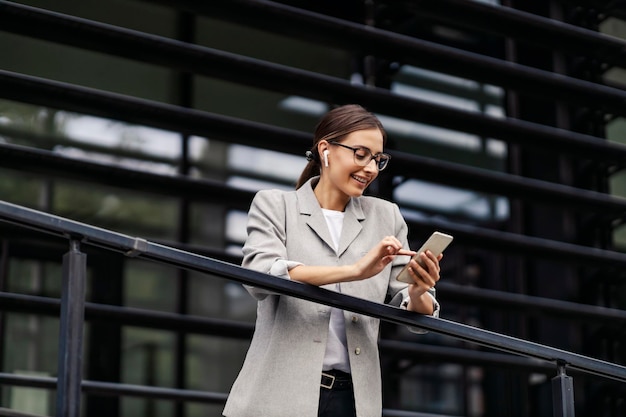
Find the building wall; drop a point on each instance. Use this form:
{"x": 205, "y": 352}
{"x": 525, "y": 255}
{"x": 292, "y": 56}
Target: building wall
{"x": 461, "y": 135}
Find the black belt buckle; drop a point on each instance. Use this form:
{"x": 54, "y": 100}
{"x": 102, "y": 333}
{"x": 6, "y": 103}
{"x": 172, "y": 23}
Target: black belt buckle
{"x": 328, "y": 381}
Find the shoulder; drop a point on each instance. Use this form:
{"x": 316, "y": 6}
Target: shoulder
{"x": 377, "y": 205}
{"x": 272, "y": 202}
{"x": 271, "y": 196}
{"x": 384, "y": 213}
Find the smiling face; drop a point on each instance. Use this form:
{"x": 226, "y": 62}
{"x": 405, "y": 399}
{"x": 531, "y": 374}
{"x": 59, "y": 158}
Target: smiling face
{"x": 343, "y": 177}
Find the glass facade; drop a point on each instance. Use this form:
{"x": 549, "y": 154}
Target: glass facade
{"x": 118, "y": 151}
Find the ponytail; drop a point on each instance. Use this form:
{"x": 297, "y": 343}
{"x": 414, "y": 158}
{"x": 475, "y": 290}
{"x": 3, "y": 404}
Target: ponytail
{"x": 312, "y": 169}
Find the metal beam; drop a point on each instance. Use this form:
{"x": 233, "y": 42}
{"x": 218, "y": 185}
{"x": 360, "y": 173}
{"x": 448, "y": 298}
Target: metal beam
{"x": 83, "y": 33}
{"x": 524, "y": 27}
{"x": 144, "y": 249}
{"x": 70, "y": 364}
{"x": 470, "y": 235}
{"x": 481, "y": 17}
{"x": 189, "y": 121}
{"x": 530, "y": 305}
{"x": 454, "y": 293}
{"x": 140, "y": 391}
{"x": 563, "y": 394}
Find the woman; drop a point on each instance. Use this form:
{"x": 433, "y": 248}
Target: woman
{"x": 308, "y": 359}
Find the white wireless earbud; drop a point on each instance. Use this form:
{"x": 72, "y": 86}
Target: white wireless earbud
{"x": 325, "y": 157}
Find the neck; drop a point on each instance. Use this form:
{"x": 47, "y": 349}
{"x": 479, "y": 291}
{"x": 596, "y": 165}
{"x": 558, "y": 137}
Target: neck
{"x": 330, "y": 198}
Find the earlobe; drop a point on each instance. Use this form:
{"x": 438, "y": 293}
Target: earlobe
{"x": 325, "y": 153}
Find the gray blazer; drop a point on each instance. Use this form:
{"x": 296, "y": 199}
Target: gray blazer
{"x": 282, "y": 370}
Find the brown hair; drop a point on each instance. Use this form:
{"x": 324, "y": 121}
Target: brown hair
{"x": 334, "y": 126}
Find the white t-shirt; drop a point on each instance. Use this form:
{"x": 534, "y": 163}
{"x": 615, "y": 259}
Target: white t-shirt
{"x": 336, "y": 356}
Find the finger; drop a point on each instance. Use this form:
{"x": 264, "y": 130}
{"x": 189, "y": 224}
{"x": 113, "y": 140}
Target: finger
{"x": 393, "y": 241}
{"x": 424, "y": 283}
{"x": 425, "y": 274}
{"x": 431, "y": 256}
{"x": 406, "y": 252}
{"x": 393, "y": 249}
{"x": 431, "y": 262}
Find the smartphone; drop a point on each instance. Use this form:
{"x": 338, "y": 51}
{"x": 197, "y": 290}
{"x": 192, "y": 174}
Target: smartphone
{"x": 436, "y": 243}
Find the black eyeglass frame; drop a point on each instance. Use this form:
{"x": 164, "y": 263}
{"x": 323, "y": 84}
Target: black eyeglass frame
{"x": 376, "y": 157}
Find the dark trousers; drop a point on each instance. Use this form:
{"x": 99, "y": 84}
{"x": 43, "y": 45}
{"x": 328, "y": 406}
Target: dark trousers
{"x": 337, "y": 401}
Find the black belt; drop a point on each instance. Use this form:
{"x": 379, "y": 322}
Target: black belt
{"x": 334, "y": 379}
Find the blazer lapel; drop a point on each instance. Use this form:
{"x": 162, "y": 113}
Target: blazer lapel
{"x": 351, "y": 224}
{"x": 310, "y": 207}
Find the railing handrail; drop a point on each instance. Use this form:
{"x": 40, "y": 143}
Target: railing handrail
{"x": 141, "y": 248}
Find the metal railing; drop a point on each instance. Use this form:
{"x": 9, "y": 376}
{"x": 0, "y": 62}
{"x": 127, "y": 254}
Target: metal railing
{"x": 69, "y": 382}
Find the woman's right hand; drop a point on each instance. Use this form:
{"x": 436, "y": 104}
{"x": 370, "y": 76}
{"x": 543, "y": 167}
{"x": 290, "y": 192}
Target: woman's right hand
{"x": 379, "y": 257}
{"x": 369, "y": 265}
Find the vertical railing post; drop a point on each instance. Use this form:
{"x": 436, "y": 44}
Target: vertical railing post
{"x": 562, "y": 393}
{"x": 70, "y": 365}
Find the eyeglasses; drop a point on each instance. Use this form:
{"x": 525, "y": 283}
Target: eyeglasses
{"x": 363, "y": 156}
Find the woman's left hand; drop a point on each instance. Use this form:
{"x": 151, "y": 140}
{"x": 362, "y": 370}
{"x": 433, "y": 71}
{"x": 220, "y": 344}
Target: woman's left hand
{"x": 424, "y": 278}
